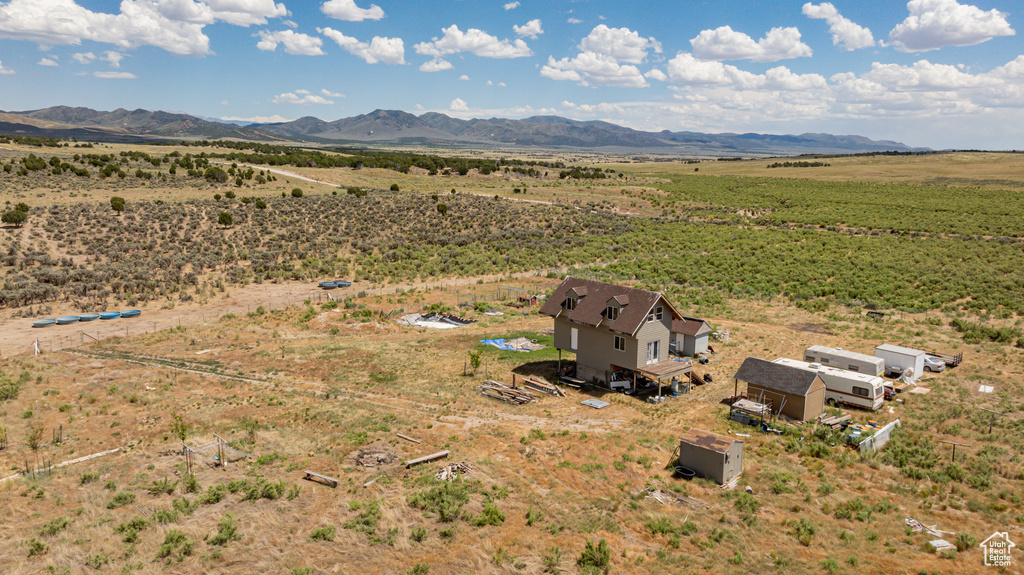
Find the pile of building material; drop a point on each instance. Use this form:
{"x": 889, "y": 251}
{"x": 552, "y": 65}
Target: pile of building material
{"x": 833, "y": 421}
{"x": 540, "y": 384}
{"x": 452, "y": 471}
{"x": 499, "y": 390}
{"x": 435, "y": 320}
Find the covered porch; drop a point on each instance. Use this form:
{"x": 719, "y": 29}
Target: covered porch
{"x": 665, "y": 372}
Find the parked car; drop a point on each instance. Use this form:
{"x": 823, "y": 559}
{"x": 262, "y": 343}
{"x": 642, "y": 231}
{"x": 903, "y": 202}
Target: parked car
{"x": 934, "y": 364}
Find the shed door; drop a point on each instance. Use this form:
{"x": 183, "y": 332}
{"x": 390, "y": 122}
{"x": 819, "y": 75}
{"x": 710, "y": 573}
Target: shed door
{"x": 574, "y": 338}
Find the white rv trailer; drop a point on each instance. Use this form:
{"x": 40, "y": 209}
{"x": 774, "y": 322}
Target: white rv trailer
{"x": 844, "y": 387}
{"x": 900, "y": 359}
{"x": 845, "y": 359}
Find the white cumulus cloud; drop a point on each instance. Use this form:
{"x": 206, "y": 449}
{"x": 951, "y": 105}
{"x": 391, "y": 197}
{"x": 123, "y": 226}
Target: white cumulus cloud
{"x": 83, "y": 57}
{"x": 172, "y": 25}
{"x": 511, "y": 6}
{"x": 934, "y": 24}
{"x": 621, "y": 44}
{"x": 458, "y": 105}
{"x": 724, "y": 43}
{"x": 436, "y": 65}
{"x": 590, "y": 68}
{"x": 529, "y": 30}
{"x": 48, "y": 61}
{"x": 474, "y": 41}
{"x": 5, "y": 70}
{"x": 845, "y": 32}
{"x": 380, "y": 49}
{"x": 300, "y": 97}
{"x": 293, "y": 42}
{"x": 607, "y": 58}
{"x": 348, "y": 11}
{"x": 329, "y": 94}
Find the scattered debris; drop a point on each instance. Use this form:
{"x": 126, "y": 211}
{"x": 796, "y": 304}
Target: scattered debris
{"x": 941, "y": 545}
{"x": 833, "y": 421}
{"x": 374, "y": 457}
{"x": 435, "y": 320}
{"x": 453, "y": 470}
{"x": 671, "y": 497}
{"x": 595, "y": 403}
{"x": 986, "y": 388}
{"x": 540, "y": 384}
{"x": 920, "y": 390}
{"x": 493, "y": 313}
{"x": 517, "y": 344}
{"x": 499, "y": 390}
{"x": 749, "y": 489}
{"x": 917, "y": 526}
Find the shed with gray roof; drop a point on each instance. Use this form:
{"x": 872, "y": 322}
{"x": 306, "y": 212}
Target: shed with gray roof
{"x": 795, "y": 393}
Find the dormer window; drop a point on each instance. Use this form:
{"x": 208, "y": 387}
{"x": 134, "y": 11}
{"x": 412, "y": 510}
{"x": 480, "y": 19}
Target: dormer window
{"x": 612, "y": 313}
{"x": 656, "y": 314}
{"x": 570, "y": 303}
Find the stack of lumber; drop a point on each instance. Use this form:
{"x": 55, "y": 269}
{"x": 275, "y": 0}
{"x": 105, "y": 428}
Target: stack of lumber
{"x": 499, "y": 390}
{"x": 540, "y": 384}
{"x": 834, "y": 421}
{"x": 453, "y": 470}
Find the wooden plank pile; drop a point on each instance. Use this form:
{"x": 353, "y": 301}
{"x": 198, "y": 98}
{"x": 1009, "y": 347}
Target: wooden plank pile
{"x": 834, "y": 421}
{"x": 540, "y": 384}
{"x": 499, "y": 390}
{"x": 453, "y": 470}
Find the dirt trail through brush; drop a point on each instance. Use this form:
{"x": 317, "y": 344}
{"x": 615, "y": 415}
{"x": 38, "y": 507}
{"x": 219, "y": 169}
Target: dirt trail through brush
{"x": 17, "y": 335}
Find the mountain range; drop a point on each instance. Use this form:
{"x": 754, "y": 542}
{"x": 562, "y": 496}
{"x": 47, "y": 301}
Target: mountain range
{"x": 396, "y": 127}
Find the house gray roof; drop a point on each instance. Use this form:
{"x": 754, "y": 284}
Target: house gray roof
{"x": 690, "y": 326}
{"x": 775, "y": 376}
{"x": 590, "y": 308}
{"x": 707, "y": 440}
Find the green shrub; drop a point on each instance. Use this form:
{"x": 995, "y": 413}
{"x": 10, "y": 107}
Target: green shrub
{"x": 491, "y": 515}
{"x": 594, "y": 559}
{"x": 176, "y": 544}
{"x": 55, "y": 526}
{"x": 36, "y": 547}
{"x": 446, "y": 500}
{"x": 227, "y": 531}
{"x": 121, "y": 499}
{"x": 325, "y": 533}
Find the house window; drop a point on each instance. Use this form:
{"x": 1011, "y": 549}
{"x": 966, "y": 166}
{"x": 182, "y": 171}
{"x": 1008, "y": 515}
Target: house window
{"x": 853, "y": 368}
{"x": 824, "y": 360}
{"x": 570, "y": 303}
{"x": 809, "y": 358}
{"x": 861, "y": 391}
{"x": 612, "y": 313}
{"x": 653, "y": 349}
{"x": 656, "y": 314}
{"x": 620, "y": 343}
{"x": 574, "y": 338}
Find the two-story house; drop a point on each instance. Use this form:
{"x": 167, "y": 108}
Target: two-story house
{"x": 612, "y": 328}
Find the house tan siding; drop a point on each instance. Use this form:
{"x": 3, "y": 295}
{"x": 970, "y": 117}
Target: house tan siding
{"x": 651, "y": 331}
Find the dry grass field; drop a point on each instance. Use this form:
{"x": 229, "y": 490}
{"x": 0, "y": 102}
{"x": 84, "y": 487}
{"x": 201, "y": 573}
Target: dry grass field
{"x": 328, "y": 388}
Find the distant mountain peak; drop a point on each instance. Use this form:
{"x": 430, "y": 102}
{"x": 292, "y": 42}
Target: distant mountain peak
{"x": 398, "y": 126}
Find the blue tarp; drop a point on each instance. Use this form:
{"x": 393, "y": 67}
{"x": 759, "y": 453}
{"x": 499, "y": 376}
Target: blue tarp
{"x": 517, "y": 344}
{"x": 500, "y": 344}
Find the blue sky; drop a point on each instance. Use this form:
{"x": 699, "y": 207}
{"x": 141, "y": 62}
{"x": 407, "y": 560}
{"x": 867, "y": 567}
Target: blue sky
{"x": 936, "y": 73}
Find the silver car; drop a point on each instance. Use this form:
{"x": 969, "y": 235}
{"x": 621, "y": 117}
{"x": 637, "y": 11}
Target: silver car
{"x": 934, "y": 364}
